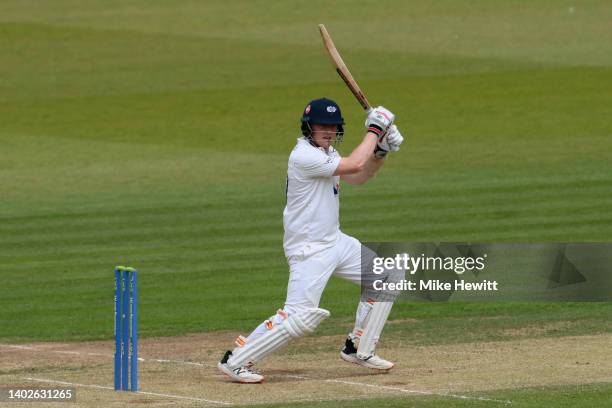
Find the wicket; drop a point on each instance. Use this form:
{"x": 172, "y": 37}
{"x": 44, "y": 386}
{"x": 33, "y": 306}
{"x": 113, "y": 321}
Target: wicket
{"x": 126, "y": 328}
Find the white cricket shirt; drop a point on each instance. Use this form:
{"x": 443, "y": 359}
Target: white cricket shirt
{"x": 311, "y": 217}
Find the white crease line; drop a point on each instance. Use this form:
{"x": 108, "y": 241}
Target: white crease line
{"x": 102, "y": 387}
{"x": 157, "y": 360}
{"x": 18, "y": 347}
{"x": 76, "y": 353}
{"x": 387, "y": 387}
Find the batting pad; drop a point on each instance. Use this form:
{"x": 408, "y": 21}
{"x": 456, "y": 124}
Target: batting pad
{"x": 374, "y": 327}
{"x": 296, "y": 325}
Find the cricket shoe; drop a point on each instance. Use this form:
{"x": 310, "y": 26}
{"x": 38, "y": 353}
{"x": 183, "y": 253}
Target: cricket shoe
{"x": 245, "y": 375}
{"x": 349, "y": 354}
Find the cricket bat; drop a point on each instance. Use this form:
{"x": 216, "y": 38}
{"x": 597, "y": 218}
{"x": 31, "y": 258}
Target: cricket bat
{"x": 342, "y": 70}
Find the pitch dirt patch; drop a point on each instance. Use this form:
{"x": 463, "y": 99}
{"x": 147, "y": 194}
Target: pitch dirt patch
{"x": 181, "y": 371}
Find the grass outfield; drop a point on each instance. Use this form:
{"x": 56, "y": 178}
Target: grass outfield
{"x": 157, "y": 135}
{"x": 596, "y": 395}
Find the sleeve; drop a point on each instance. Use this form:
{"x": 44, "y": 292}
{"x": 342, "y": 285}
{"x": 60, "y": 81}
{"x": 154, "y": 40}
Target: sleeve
{"x": 316, "y": 164}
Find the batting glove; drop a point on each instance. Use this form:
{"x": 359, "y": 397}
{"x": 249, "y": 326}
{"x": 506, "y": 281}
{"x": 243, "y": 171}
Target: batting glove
{"x": 394, "y": 138}
{"x": 378, "y": 121}
{"x": 389, "y": 142}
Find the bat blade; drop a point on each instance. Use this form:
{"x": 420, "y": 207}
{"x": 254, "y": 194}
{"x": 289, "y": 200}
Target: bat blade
{"x": 342, "y": 69}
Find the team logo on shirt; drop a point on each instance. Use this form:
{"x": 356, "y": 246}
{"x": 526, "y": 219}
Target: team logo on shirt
{"x": 336, "y": 188}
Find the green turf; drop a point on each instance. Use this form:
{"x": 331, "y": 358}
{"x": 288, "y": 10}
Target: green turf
{"x": 156, "y": 135}
{"x": 571, "y": 396}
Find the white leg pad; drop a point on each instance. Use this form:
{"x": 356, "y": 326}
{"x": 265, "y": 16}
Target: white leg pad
{"x": 296, "y": 325}
{"x": 376, "y": 319}
{"x": 374, "y": 327}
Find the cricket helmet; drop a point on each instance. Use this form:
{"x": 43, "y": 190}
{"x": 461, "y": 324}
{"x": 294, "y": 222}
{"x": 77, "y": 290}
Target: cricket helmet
{"x": 322, "y": 111}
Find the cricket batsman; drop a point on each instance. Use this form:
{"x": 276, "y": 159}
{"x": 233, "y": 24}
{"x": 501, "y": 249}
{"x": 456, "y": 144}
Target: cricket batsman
{"x": 315, "y": 246}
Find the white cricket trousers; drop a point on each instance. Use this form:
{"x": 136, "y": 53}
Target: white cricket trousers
{"x": 308, "y": 275}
